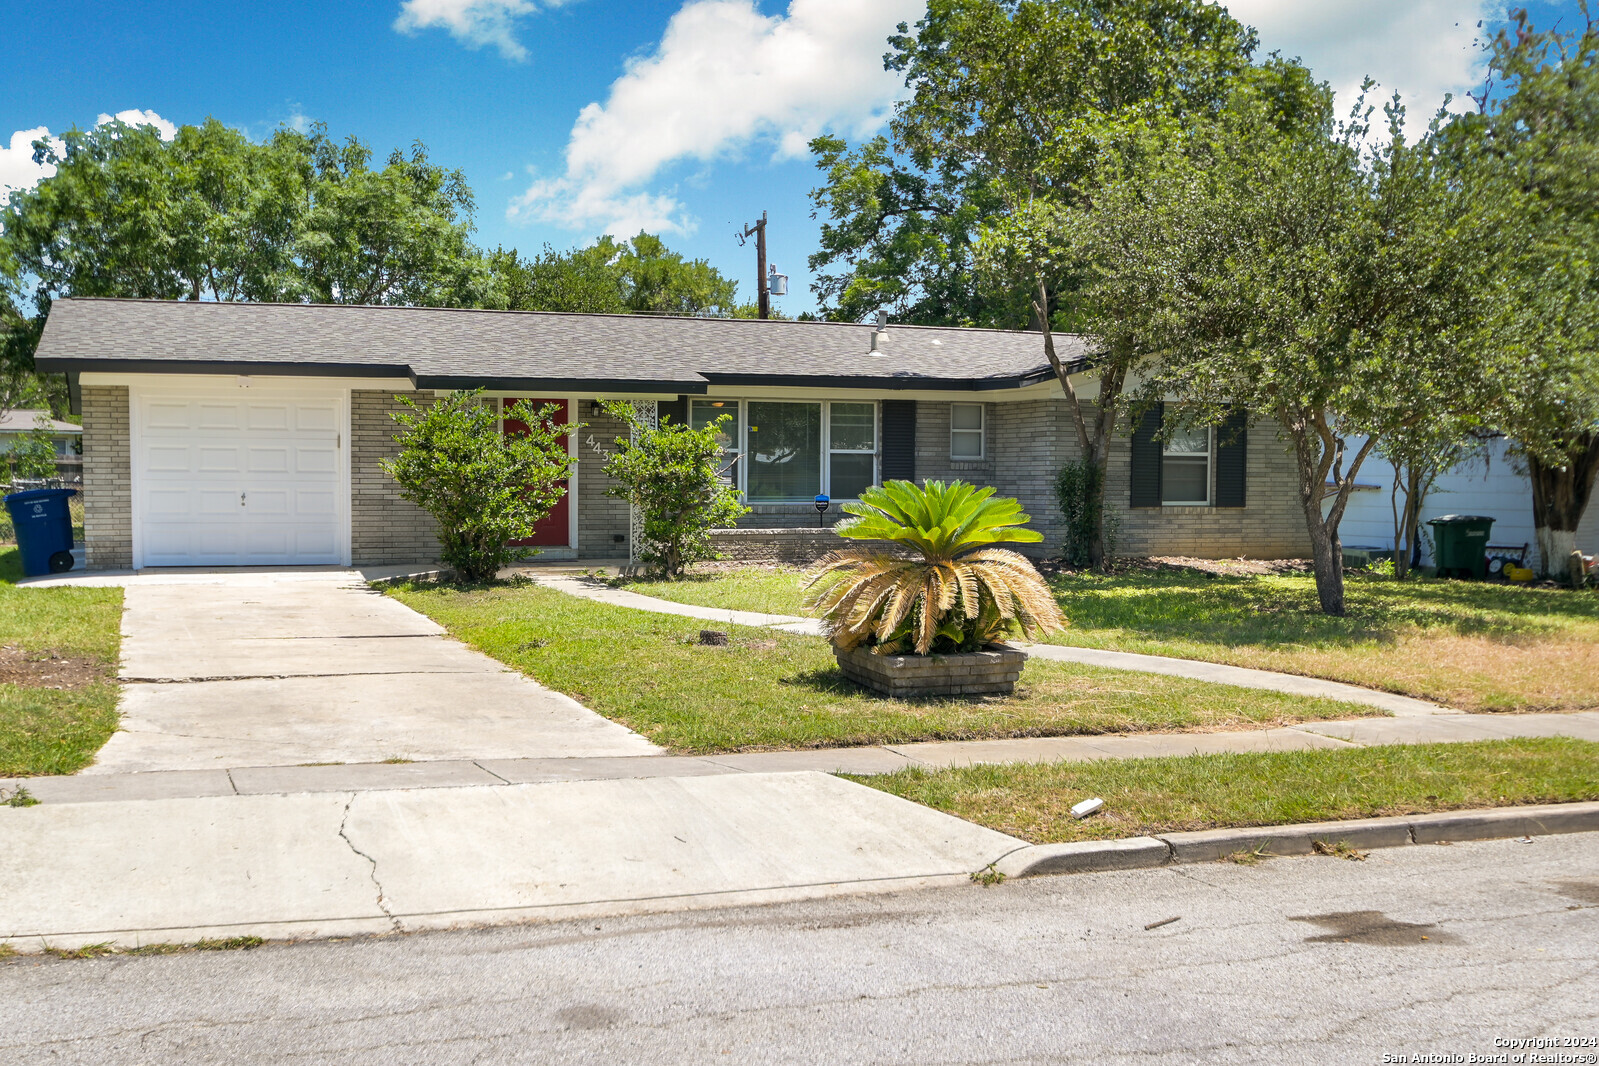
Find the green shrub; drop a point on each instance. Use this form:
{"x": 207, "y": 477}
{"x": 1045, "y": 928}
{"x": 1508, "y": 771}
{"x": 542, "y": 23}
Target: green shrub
{"x": 673, "y": 474}
{"x": 1080, "y": 489}
{"x": 483, "y": 487}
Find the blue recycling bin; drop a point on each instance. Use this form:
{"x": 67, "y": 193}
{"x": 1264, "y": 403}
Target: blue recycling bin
{"x": 44, "y": 529}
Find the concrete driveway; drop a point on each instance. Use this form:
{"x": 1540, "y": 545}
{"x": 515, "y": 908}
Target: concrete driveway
{"x": 225, "y": 670}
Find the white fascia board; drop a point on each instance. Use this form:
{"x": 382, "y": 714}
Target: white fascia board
{"x": 1044, "y": 390}
{"x": 264, "y": 380}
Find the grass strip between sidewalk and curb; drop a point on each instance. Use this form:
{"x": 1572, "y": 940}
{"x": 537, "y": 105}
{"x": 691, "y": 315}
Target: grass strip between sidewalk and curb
{"x": 1146, "y": 797}
{"x": 58, "y": 656}
{"x": 771, "y": 690}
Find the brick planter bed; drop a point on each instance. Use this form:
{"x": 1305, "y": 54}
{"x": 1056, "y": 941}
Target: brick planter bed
{"x": 992, "y": 672}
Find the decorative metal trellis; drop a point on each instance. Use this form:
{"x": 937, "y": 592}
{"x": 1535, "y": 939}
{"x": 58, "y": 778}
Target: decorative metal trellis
{"x": 649, "y": 412}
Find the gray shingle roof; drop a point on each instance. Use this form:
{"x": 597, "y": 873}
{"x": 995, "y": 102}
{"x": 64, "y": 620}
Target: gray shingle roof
{"x": 444, "y": 348}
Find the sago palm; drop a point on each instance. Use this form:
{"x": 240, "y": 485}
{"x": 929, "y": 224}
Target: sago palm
{"x": 959, "y": 596}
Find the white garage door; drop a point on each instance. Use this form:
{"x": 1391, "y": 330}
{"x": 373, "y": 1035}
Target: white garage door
{"x": 236, "y": 476}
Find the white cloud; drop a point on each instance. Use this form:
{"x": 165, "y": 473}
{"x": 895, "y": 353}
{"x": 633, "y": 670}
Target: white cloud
{"x": 1421, "y": 49}
{"x": 17, "y": 168}
{"x": 723, "y": 77}
{"x": 19, "y": 171}
{"x": 135, "y": 117}
{"x": 474, "y": 23}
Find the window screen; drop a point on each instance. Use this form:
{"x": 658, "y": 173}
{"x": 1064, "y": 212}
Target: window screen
{"x": 965, "y": 431}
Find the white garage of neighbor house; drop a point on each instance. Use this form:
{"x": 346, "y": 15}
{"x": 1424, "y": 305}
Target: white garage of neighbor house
{"x": 219, "y": 434}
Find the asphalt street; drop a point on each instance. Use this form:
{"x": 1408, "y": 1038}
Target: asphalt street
{"x": 1425, "y": 950}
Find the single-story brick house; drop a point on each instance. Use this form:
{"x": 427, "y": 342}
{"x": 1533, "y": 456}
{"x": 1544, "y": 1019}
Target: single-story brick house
{"x": 251, "y": 434}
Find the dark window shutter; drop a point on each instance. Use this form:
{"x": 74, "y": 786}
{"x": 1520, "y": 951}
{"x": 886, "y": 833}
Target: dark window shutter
{"x": 1232, "y": 458}
{"x": 1145, "y": 475}
{"x": 899, "y": 440}
{"x": 676, "y": 410}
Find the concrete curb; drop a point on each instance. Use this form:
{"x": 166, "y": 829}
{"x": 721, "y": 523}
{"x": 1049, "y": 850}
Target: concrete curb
{"x": 1095, "y": 856}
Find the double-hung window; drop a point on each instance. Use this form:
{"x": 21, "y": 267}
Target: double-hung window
{"x": 966, "y": 431}
{"x": 782, "y": 451}
{"x": 851, "y": 449}
{"x": 703, "y": 413}
{"x": 1185, "y": 466}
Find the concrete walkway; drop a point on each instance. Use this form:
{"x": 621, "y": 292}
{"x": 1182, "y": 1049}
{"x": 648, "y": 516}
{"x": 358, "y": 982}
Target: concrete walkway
{"x": 1294, "y": 684}
{"x": 236, "y": 669}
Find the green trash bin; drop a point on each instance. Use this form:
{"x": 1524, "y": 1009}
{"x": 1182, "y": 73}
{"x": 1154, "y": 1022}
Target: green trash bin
{"x": 1460, "y": 545}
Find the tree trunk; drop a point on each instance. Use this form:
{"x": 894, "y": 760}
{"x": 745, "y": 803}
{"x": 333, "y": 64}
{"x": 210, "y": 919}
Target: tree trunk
{"x": 1318, "y": 455}
{"x": 1560, "y": 494}
{"x": 1094, "y": 441}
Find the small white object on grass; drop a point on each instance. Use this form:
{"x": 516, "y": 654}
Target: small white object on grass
{"x": 1087, "y": 807}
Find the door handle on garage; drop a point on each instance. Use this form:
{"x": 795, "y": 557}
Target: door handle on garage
{"x": 241, "y": 499}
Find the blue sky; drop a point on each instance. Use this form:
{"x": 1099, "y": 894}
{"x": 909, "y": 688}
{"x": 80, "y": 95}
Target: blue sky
{"x": 571, "y": 118}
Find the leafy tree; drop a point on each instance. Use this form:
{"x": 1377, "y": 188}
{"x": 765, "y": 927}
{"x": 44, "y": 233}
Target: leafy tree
{"x": 614, "y": 277}
{"x": 33, "y": 454}
{"x": 393, "y": 236}
{"x": 1344, "y": 291}
{"x": 674, "y": 475}
{"x": 973, "y": 216}
{"x": 212, "y": 215}
{"x": 583, "y": 280}
{"x": 1538, "y": 139}
{"x": 484, "y": 488}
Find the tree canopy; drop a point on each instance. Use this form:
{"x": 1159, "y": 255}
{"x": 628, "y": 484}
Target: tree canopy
{"x": 641, "y": 275}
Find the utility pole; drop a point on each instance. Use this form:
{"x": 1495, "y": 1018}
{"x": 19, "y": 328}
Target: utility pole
{"x": 763, "y": 298}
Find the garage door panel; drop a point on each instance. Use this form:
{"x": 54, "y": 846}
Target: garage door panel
{"x": 309, "y": 503}
{"x": 273, "y": 460}
{"x": 160, "y": 415}
{"x": 315, "y": 459}
{"x": 219, "y": 415}
{"x": 268, "y": 417}
{"x": 218, "y": 460}
{"x": 168, "y": 458}
{"x": 311, "y": 418}
{"x": 247, "y": 480}
{"x": 217, "y": 502}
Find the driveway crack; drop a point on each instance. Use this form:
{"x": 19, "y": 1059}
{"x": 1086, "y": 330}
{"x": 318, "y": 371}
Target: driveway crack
{"x": 383, "y": 903}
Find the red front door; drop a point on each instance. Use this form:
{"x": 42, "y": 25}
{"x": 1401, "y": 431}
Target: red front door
{"x": 554, "y": 529}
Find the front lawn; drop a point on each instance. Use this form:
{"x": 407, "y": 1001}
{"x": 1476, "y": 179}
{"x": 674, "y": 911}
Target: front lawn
{"x": 58, "y": 657}
{"x": 1471, "y": 645}
{"x": 1163, "y": 795}
{"x": 769, "y": 589}
{"x": 768, "y": 690}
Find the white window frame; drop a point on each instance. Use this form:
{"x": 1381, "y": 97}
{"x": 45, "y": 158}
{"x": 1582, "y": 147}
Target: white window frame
{"x": 1210, "y": 462}
{"x": 981, "y": 431}
{"x": 742, "y": 451}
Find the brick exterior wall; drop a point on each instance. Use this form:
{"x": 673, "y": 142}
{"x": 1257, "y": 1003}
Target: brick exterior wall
{"x": 1269, "y": 526}
{"x": 383, "y": 527}
{"x": 932, "y": 446}
{"x": 107, "y": 484}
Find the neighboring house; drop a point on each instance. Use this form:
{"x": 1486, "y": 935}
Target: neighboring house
{"x": 234, "y": 434}
{"x": 64, "y": 435}
{"x": 1492, "y": 483}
